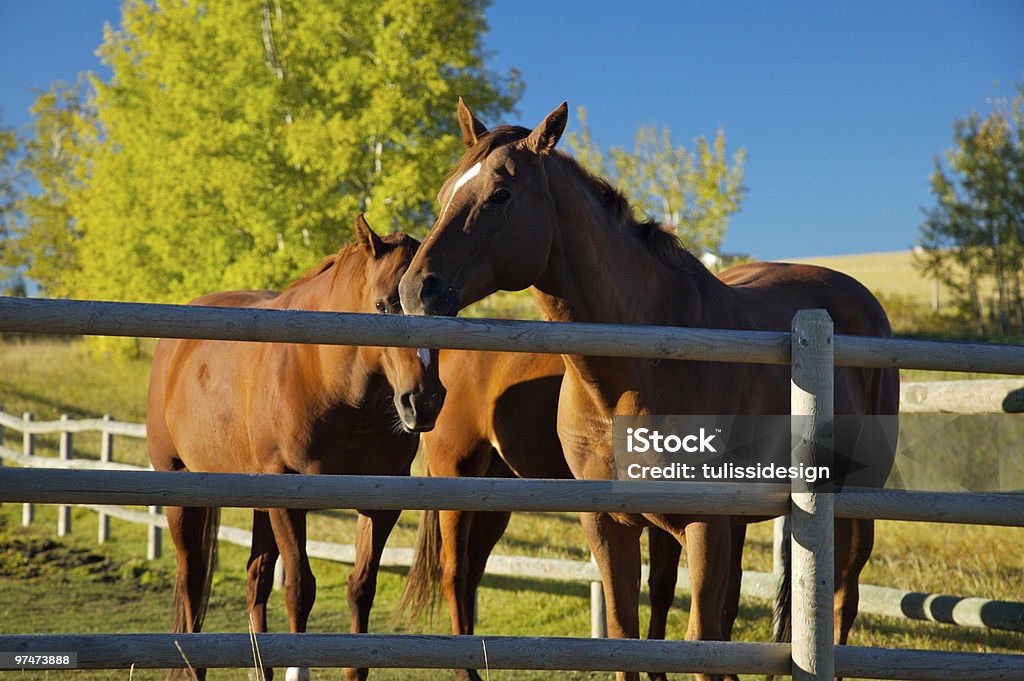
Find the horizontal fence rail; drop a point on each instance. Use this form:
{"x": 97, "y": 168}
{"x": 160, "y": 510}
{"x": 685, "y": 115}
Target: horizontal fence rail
{"x": 987, "y": 396}
{"x": 113, "y": 651}
{"x": 122, "y": 651}
{"x": 125, "y": 428}
{"x": 142, "y": 488}
{"x": 967, "y": 508}
{"x": 150, "y": 320}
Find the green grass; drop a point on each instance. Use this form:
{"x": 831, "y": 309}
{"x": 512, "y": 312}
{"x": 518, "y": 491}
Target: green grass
{"x": 60, "y": 588}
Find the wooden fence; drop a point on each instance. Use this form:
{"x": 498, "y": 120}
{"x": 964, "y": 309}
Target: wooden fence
{"x": 812, "y": 350}
{"x": 977, "y": 396}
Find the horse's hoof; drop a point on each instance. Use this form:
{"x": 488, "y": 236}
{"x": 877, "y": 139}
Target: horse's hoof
{"x": 468, "y": 675}
{"x": 296, "y": 674}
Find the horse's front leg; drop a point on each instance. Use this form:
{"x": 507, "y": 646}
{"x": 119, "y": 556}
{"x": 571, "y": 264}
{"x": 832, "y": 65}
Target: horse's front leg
{"x": 664, "y": 556}
{"x": 372, "y": 531}
{"x": 708, "y": 542}
{"x": 616, "y": 549}
{"x": 299, "y": 584}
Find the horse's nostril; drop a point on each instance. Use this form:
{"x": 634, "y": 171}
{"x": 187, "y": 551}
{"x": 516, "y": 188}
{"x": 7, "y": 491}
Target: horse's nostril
{"x": 405, "y": 399}
{"x": 430, "y": 287}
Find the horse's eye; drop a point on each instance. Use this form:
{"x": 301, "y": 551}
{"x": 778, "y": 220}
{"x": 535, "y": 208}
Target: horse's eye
{"x": 382, "y": 307}
{"x": 501, "y": 196}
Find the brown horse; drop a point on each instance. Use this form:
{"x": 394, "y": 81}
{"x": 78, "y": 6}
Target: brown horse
{"x": 498, "y": 420}
{"x": 235, "y": 407}
{"x": 516, "y": 214}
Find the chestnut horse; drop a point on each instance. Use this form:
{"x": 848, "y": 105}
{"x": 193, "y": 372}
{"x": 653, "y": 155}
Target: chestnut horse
{"x": 518, "y": 213}
{"x": 236, "y": 407}
{"x": 498, "y": 420}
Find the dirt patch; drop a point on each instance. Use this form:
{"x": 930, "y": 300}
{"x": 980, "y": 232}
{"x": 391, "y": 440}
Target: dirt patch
{"x": 24, "y": 554}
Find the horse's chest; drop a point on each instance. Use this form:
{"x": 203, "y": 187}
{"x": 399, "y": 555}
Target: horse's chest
{"x": 351, "y": 441}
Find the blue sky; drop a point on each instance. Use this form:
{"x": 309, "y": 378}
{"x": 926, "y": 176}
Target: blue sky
{"x": 841, "y": 106}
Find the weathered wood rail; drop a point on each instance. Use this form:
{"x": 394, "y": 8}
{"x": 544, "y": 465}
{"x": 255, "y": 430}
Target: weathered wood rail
{"x": 810, "y": 348}
{"x": 150, "y": 320}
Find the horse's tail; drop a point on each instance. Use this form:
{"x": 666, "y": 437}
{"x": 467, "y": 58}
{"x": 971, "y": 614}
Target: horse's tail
{"x": 208, "y": 557}
{"x": 782, "y": 610}
{"x": 424, "y": 581}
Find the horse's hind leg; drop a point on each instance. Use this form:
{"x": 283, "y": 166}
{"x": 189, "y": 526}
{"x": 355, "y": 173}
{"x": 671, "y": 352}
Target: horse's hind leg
{"x": 372, "y": 531}
{"x": 484, "y": 533}
{"x": 260, "y": 577}
{"x": 186, "y": 526}
{"x": 664, "y": 555}
{"x": 486, "y": 528}
{"x": 289, "y": 527}
{"x": 854, "y": 541}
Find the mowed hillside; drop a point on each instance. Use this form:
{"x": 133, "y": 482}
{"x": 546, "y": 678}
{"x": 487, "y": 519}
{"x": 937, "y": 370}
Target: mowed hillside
{"x": 890, "y": 273}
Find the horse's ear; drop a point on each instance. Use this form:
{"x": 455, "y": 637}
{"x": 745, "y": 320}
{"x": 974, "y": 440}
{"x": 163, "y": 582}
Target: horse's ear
{"x": 367, "y": 238}
{"x": 471, "y": 128}
{"x": 546, "y": 135}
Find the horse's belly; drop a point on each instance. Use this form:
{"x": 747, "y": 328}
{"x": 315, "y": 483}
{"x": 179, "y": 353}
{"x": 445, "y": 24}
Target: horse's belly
{"x": 205, "y": 416}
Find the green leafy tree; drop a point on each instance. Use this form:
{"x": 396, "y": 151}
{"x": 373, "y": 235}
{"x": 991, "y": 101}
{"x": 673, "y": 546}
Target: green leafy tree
{"x": 972, "y": 239}
{"x": 44, "y": 238}
{"x": 695, "y": 191}
{"x": 9, "y": 146}
{"x": 237, "y": 139}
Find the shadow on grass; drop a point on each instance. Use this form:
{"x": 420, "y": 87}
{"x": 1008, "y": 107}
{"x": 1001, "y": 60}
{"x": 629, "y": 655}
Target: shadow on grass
{"x": 75, "y": 411}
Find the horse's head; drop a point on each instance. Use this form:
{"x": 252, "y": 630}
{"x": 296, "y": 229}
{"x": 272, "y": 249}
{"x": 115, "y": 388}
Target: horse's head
{"x": 411, "y": 372}
{"x": 497, "y": 221}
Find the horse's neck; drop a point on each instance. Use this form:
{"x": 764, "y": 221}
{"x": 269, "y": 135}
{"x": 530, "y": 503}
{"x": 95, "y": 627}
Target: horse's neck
{"x": 600, "y": 272}
{"x": 335, "y": 371}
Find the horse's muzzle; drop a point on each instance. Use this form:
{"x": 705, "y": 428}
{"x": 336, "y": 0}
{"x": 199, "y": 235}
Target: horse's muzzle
{"x": 428, "y": 295}
{"x": 418, "y": 410}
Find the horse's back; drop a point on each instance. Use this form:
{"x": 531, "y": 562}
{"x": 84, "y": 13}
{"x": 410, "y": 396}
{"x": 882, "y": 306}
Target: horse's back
{"x": 779, "y": 289}
{"x": 853, "y": 308}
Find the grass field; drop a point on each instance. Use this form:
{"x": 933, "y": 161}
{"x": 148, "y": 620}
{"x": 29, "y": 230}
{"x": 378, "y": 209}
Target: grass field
{"x": 59, "y": 586}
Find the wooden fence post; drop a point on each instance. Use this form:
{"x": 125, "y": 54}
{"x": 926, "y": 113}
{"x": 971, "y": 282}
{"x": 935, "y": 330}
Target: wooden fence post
{"x": 154, "y": 543}
{"x": 812, "y": 514}
{"x": 64, "y": 512}
{"x": 279, "y": 573}
{"x": 598, "y": 609}
{"x": 106, "y": 456}
{"x": 28, "y": 448}
{"x": 780, "y": 534}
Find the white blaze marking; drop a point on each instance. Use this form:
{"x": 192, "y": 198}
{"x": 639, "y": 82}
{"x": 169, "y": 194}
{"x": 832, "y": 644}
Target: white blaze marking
{"x": 424, "y": 355}
{"x": 466, "y": 177}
